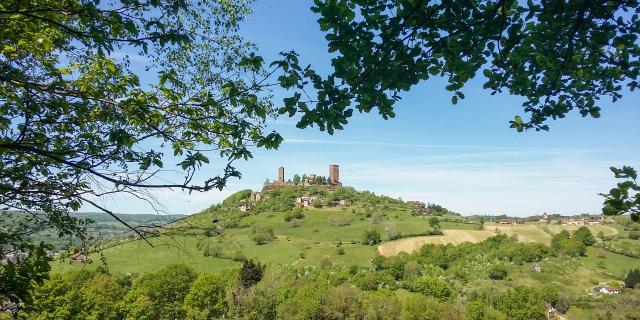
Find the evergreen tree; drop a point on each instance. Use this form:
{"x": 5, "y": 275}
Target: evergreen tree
{"x": 633, "y": 278}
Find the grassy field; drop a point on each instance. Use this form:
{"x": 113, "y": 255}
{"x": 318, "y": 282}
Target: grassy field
{"x": 315, "y": 238}
{"x": 392, "y": 248}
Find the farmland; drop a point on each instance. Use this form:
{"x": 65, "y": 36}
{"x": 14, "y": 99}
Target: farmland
{"x": 527, "y": 233}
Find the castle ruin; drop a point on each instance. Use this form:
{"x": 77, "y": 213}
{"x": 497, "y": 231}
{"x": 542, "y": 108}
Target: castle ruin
{"x": 332, "y": 181}
{"x": 334, "y": 173}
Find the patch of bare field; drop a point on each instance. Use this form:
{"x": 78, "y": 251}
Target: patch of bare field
{"x": 525, "y": 233}
{"x": 450, "y": 236}
{"x": 608, "y": 231}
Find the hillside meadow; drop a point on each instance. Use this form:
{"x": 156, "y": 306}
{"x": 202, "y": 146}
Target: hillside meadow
{"x": 373, "y": 249}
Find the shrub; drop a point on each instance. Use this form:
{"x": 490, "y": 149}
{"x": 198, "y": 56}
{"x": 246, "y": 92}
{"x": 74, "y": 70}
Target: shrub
{"x": 294, "y": 223}
{"x": 381, "y": 305}
{"x": 261, "y": 235}
{"x": 633, "y": 278}
{"x": 250, "y": 273}
{"x": 583, "y": 234}
{"x": 325, "y": 262}
{"x": 634, "y": 235}
{"x": 340, "y": 251}
{"x": 422, "y": 308}
{"x": 498, "y": 272}
{"x": 372, "y": 237}
{"x": 433, "y": 287}
{"x": 372, "y": 281}
{"x": 295, "y": 213}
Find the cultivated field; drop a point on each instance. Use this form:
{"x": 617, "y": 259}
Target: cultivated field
{"x": 450, "y": 236}
{"x": 525, "y": 233}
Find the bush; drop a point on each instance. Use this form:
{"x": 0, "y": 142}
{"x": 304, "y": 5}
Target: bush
{"x": 294, "y": 223}
{"x": 250, "y": 273}
{"x": 340, "y": 251}
{"x": 433, "y": 287}
{"x": 261, "y": 235}
{"x": 583, "y": 234}
{"x": 498, "y": 272}
{"x": 372, "y": 237}
{"x": 372, "y": 281}
{"x": 634, "y": 235}
{"x": 422, "y": 308}
{"x": 295, "y": 213}
{"x": 325, "y": 262}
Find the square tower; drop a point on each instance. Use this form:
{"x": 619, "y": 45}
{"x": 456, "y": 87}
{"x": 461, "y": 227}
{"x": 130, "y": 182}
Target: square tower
{"x": 334, "y": 173}
{"x": 281, "y": 175}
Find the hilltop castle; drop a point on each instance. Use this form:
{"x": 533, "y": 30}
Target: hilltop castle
{"x": 305, "y": 181}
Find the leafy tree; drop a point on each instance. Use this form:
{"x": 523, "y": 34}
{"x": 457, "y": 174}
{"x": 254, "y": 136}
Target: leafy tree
{"x": 166, "y": 289}
{"x": 498, "y": 272}
{"x": 625, "y": 197}
{"x": 343, "y": 303}
{"x": 296, "y": 179}
{"x": 60, "y": 298}
{"x": 261, "y": 234}
{"x": 250, "y": 273}
{"x": 17, "y": 277}
{"x": 101, "y": 296}
{"x": 206, "y": 298}
{"x": 558, "y": 238}
{"x": 558, "y": 56}
{"x": 418, "y": 307}
{"x": 474, "y": 311}
{"x": 295, "y": 213}
{"x": 78, "y": 121}
{"x": 523, "y": 303}
{"x": 584, "y": 235}
{"x": 434, "y": 223}
{"x": 432, "y": 287}
{"x": 137, "y": 306}
{"x": 381, "y": 305}
{"x": 632, "y": 279}
{"x": 307, "y": 303}
{"x": 372, "y": 237}
{"x": 572, "y": 247}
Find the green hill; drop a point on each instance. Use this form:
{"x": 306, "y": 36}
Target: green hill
{"x": 218, "y": 237}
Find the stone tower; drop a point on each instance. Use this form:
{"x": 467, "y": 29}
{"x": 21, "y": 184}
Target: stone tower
{"x": 281, "y": 175}
{"x": 334, "y": 173}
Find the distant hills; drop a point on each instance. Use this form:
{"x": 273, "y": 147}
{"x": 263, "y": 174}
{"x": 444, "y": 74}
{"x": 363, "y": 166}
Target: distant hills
{"x": 102, "y": 227}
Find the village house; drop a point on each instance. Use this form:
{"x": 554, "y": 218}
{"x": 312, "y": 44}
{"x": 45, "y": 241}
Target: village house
{"x": 545, "y": 218}
{"x": 245, "y": 207}
{"x": 608, "y": 289}
{"x": 306, "y": 201}
{"x": 575, "y": 222}
{"x": 537, "y": 267}
{"x": 79, "y": 257}
{"x": 508, "y": 222}
{"x": 256, "y": 196}
{"x": 14, "y": 257}
{"x": 339, "y": 203}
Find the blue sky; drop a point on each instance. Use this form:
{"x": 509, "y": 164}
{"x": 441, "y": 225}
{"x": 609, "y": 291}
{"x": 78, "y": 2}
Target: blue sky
{"x": 464, "y": 157}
